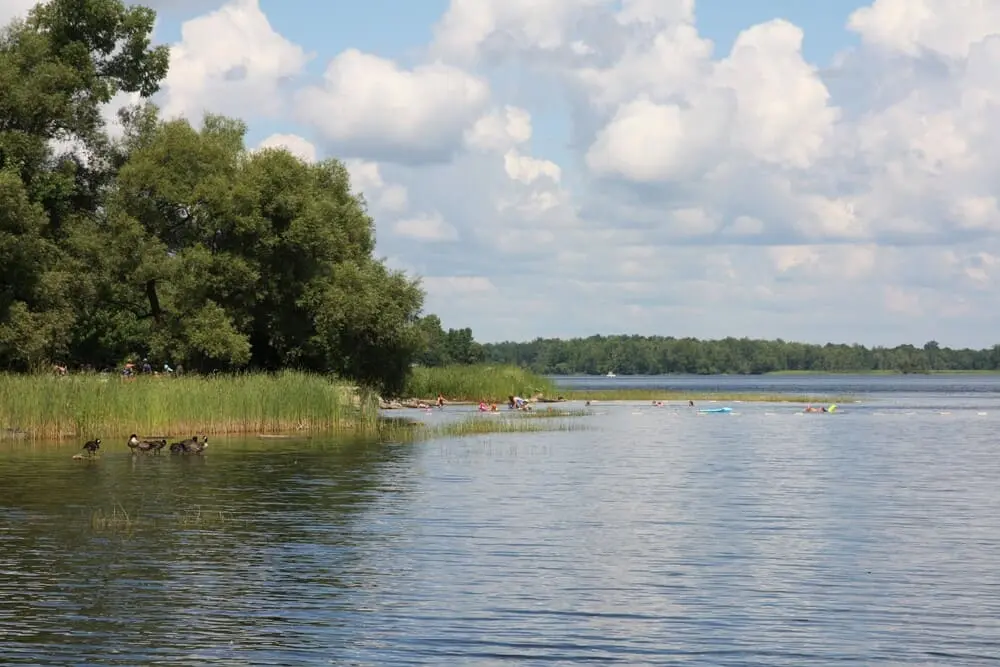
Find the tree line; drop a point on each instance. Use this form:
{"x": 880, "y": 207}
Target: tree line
{"x": 655, "y": 355}
{"x": 173, "y": 242}
{"x": 658, "y": 355}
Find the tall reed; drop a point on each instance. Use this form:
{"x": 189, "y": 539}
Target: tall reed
{"x": 477, "y": 382}
{"x": 87, "y": 406}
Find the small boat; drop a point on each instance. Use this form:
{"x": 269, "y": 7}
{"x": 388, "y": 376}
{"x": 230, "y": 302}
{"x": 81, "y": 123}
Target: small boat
{"x": 716, "y": 410}
{"x": 611, "y": 374}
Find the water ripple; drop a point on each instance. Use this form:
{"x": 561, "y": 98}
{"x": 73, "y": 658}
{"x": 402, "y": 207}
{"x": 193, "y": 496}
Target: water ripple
{"x": 657, "y": 537}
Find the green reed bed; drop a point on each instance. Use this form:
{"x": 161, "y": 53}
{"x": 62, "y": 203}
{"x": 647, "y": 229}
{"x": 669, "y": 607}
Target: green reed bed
{"x": 482, "y": 382}
{"x": 42, "y": 407}
{"x": 675, "y": 395}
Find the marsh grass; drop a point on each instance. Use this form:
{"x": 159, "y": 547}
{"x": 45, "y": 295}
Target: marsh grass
{"x": 400, "y": 429}
{"x": 118, "y": 520}
{"x": 549, "y": 412}
{"x": 476, "y": 383}
{"x": 43, "y": 407}
{"x": 674, "y": 395}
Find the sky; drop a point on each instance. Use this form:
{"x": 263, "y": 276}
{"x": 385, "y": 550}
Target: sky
{"x": 818, "y": 172}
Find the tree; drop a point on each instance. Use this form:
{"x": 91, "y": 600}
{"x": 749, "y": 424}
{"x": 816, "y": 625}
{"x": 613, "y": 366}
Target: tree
{"x": 433, "y": 348}
{"x": 173, "y": 242}
{"x": 56, "y": 70}
{"x": 236, "y": 258}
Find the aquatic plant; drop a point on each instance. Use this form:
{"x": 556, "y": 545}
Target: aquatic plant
{"x": 477, "y": 382}
{"x": 119, "y": 520}
{"x": 43, "y": 407}
{"x": 401, "y": 429}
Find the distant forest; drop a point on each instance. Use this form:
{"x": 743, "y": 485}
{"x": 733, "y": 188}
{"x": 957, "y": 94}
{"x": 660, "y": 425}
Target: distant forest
{"x": 655, "y": 355}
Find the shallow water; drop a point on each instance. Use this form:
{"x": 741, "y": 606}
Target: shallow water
{"x": 764, "y": 536}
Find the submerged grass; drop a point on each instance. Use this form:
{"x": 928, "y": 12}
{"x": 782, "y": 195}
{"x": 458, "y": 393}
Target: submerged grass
{"x": 120, "y": 521}
{"x": 480, "y": 382}
{"x": 680, "y": 395}
{"x": 401, "y": 429}
{"x": 43, "y": 407}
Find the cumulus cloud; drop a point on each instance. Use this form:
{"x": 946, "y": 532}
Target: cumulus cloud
{"x": 366, "y": 179}
{"x": 430, "y": 227}
{"x": 228, "y": 61}
{"x": 369, "y": 107}
{"x": 499, "y": 130}
{"x": 293, "y": 143}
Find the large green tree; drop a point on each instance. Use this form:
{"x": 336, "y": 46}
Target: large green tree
{"x": 173, "y": 242}
{"x": 234, "y": 257}
{"x": 57, "y": 68}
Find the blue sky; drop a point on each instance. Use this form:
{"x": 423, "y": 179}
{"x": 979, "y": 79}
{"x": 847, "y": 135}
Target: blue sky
{"x": 770, "y": 168}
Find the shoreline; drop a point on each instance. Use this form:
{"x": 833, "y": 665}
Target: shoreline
{"x": 631, "y": 395}
{"x": 47, "y": 408}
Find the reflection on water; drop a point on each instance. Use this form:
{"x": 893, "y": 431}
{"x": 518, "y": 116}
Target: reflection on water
{"x": 761, "y": 537}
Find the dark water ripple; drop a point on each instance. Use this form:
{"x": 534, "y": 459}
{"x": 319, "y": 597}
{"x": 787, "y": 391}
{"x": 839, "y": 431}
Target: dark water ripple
{"x": 765, "y": 537}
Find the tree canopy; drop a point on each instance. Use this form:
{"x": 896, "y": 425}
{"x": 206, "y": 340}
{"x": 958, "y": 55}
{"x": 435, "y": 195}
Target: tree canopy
{"x": 174, "y": 242}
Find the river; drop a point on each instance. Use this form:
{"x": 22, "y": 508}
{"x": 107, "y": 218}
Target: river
{"x": 655, "y": 536}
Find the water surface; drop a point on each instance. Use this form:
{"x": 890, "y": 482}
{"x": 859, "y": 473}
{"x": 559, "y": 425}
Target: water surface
{"x": 659, "y": 536}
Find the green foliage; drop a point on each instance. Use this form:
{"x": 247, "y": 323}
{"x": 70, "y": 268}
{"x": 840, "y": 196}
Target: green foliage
{"x": 175, "y": 243}
{"x": 92, "y": 405}
{"x": 656, "y": 355}
{"x": 476, "y": 383}
{"x": 441, "y": 348}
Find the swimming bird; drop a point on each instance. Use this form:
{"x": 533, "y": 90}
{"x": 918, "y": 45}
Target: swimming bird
{"x": 135, "y": 444}
{"x": 189, "y": 446}
{"x": 92, "y": 446}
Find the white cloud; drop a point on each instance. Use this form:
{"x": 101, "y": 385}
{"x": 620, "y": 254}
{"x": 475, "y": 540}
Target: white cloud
{"x": 500, "y": 131}
{"x": 228, "y": 61}
{"x": 526, "y": 169}
{"x": 369, "y": 107}
{"x": 649, "y": 142}
{"x": 293, "y": 143}
{"x": 430, "y": 227}
{"x": 366, "y": 177}
{"x": 948, "y": 27}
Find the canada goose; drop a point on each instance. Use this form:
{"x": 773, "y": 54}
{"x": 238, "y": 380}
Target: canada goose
{"x": 135, "y": 444}
{"x": 92, "y": 446}
{"x": 158, "y": 445}
{"x": 189, "y": 446}
{"x": 198, "y": 447}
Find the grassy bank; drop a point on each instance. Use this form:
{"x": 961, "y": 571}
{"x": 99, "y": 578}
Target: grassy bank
{"x": 677, "y": 395}
{"x": 476, "y": 383}
{"x": 87, "y": 406}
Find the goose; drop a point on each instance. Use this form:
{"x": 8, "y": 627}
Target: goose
{"x": 189, "y": 446}
{"x": 134, "y": 443}
{"x": 92, "y": 446}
